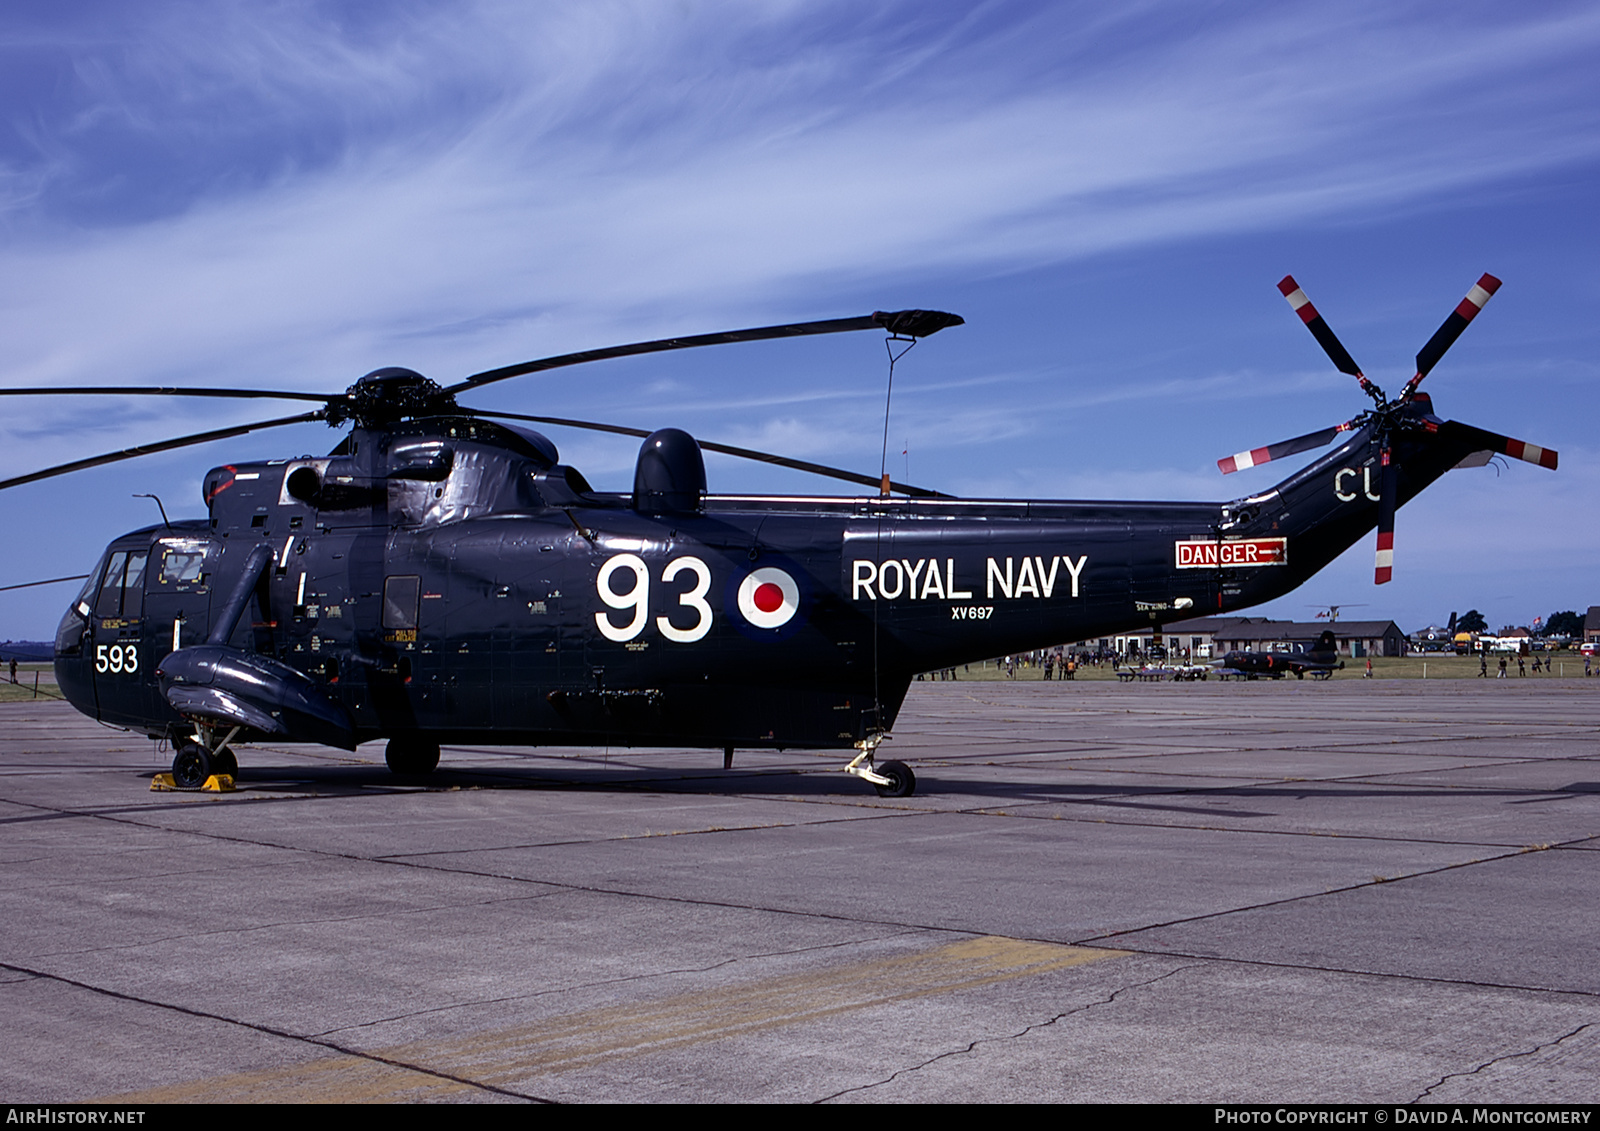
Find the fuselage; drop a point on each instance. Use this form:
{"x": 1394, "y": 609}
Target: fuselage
{"x": 468, "y": 587}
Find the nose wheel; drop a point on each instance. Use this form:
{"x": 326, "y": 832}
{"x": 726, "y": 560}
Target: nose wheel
{"x": 191, "y": 766}
{"x": 203, "y": 757}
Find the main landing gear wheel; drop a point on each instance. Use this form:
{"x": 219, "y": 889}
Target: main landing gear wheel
{"x": 411, "y": 756}
{"x": 191, "y": 766}
{"x": 902, "y": 782}
{"x": 891, "y": 779}
{"x": 224, "y": 762}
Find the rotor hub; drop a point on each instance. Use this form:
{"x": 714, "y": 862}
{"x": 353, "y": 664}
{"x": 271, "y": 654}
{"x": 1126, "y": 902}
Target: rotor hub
{"x": 390, "y": 395}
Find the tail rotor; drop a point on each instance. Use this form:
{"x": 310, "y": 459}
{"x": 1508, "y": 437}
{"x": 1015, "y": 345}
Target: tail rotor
{"x": 1408, "y": 412}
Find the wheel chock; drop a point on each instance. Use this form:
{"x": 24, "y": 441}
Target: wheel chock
{"x": 216, "y": 783}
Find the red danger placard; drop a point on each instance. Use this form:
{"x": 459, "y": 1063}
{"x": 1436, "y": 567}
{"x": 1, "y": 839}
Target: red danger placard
{"x": 1232, "y": 553}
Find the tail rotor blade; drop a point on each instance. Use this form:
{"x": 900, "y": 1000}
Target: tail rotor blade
{"x": 1306, "y": 443}
{"x": 1383, "y": 566}
{"x": 1320, "y": 330}
{"x": 1445, "y": 336}
{"x": 1494, "y": 442}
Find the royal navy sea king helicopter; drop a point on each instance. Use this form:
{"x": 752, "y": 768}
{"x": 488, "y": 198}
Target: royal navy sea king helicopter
{"x": 440, "y": 576}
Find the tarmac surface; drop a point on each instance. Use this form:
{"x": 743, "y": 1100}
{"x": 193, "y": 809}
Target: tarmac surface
{"x": 1374, "y": 892}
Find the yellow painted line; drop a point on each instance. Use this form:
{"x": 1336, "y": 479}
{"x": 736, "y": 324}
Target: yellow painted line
{"x": 578, "y": 1041}
{"x": 339, "y": 1079}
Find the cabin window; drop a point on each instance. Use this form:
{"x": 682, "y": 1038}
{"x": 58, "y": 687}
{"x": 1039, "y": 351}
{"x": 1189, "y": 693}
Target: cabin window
{"x": 400, "y": 599}
{"x": 181, "y": 566}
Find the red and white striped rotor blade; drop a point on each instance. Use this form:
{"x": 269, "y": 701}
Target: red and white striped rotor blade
{"x": 1505, "y": 445}
{"x": 1321, "y": 331}
{"x": 1445, "y": 336}
{"x": 1532, "y": 453}
{"x": 1254, "y": 456}
{"x": 1383, "y": 565}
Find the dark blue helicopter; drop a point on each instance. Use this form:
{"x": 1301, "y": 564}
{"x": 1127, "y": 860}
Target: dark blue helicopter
{"x": 442, "y": 577}
{"x": 1319, "y": 661}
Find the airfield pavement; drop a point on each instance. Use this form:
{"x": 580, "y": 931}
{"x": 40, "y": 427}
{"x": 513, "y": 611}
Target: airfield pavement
{"x": 1366, "y": 892}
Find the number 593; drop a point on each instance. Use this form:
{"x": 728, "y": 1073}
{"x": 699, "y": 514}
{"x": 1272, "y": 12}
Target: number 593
{"x": 120, "y": 658}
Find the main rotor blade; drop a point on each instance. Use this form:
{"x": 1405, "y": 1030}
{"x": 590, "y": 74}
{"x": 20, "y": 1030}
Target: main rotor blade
{"x": 47, "y": 581}
{"x": 1505, "y": 445}
{"x": 1445, "y": 336}
{"x": 1388, "y": 501}
{"x": 159, "y": 446}
{"x": 1299, "y": 444}
{"x": 903, "y": 323}
{"x": 729, "y": 450}
{"x": 168, "y": 391}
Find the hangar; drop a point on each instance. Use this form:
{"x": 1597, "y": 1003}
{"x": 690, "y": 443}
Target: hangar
{"x": 1202, "y": 637}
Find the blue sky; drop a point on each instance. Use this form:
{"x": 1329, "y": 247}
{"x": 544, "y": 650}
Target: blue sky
{"x": 292, "y": 194}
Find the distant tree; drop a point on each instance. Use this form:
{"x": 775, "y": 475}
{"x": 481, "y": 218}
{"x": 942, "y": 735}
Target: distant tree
{"x": 1472, "y": 621}
{"x": 1568, "y": 623}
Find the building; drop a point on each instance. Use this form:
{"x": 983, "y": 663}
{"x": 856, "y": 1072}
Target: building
{"x": 1354, "y": 638}
{"x": 1193, "y": 638}
{"x": 1204, "y": 638}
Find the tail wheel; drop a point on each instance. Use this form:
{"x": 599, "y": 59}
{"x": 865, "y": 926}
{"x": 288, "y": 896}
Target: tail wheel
{"x": 191, "y": 766}
{"x": 902, "y": 782}
{"x": 411, "y": 755}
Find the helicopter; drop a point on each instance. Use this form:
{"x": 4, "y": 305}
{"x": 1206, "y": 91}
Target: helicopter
{"x": 1318, "y": 661}
{"x": 440, "y": 576}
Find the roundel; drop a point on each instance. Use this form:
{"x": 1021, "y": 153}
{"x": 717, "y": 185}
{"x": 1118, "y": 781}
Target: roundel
{"x": 768, "y": 598}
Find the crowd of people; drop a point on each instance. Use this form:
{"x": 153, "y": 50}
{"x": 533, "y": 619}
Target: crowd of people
{"x": 1545, "y": 665}
{"x": 1062, "y": 664}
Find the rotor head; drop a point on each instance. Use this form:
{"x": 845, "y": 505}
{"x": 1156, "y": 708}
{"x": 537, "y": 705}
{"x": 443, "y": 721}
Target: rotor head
{"x": 389, "y": 395}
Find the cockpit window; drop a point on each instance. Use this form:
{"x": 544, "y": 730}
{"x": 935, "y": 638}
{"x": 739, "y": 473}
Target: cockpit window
{"x": 81, "y": 603}
{"x": 122, "y": 590}
{"x": 133, "y": 587}
{"x": 109, "y": 603}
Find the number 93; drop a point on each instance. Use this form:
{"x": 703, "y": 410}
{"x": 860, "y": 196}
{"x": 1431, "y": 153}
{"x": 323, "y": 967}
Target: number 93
{"x": 637, "y": 598}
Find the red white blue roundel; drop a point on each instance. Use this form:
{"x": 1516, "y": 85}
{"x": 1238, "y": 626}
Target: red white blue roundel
{"x": 768, "y": 598}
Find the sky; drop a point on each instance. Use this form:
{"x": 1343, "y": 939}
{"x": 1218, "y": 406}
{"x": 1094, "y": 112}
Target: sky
{"x": 291, "y": 194}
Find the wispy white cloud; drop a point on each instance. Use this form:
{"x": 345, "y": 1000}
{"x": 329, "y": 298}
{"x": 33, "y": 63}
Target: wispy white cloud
{"x": 562, "y": 175}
